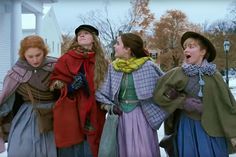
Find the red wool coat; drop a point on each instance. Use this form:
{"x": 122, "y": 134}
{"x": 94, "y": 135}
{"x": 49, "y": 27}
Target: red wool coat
{"x": 71, "y": 115}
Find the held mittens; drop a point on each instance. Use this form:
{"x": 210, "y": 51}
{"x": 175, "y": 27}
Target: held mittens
{"x": 193, "y": 104}
{"x": 78, "y": 82}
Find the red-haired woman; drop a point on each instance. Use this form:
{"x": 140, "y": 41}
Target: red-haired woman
{"x": 26, "y": 86}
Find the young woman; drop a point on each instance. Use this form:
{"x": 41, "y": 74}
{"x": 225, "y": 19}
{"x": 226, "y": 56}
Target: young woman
{"x": 129, "y": 85}
{"x": 30, "y": 74}
{"x": 206, "y": 108}
{"x": 77, "y": 74}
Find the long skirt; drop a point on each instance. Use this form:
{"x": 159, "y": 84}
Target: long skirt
{"x": 77, "y": 150}
{"x": 136, "y": 137}
{"x": 25, "y": 140}
{"x": 192, "y": 140}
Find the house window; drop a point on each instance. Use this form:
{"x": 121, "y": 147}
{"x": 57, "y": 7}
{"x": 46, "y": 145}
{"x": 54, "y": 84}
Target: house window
{"x": 153, "y": 55}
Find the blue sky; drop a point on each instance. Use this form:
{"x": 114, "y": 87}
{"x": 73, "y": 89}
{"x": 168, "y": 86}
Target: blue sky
{"x": 198, "y": 11}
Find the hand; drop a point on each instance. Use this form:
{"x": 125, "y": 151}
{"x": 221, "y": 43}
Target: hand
{"x": 79, "y": 82}
{"x": 171, "y": 93}
{"x": 193, "y": 104}
{"x": 56, "y": 85}
{"x": 116, "y": 109}
{"x": 233, "y": 142}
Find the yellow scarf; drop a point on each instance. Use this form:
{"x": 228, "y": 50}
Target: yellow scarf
{"x": 128, "y": 66}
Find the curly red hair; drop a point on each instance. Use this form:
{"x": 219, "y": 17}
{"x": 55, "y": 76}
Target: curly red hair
{"x": 32, "y": 41}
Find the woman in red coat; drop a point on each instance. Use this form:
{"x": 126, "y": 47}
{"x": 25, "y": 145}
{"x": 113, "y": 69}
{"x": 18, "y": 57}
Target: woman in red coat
{"x": 78, "y": 119}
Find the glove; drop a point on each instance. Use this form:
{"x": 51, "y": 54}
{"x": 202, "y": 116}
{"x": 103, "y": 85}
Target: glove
{"x": 56, "y": 85}
{"x": 193, "y": 104}
{"x": 233, "y": 142}
{"x": 78, "y": 82}
{"x": 171, "y": 93}
{"x": 116, "y": 109}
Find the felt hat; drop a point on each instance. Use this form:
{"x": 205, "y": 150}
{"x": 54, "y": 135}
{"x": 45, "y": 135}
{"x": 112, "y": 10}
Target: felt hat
{"x": 210, "y": 47}
{"x": 88, "y": 28}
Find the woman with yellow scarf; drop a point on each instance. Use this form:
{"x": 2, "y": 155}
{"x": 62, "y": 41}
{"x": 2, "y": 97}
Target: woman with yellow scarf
{"x": 129, "y": 85}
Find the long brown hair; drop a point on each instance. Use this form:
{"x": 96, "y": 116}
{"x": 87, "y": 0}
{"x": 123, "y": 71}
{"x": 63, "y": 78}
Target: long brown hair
{"x": 101, "y": 63}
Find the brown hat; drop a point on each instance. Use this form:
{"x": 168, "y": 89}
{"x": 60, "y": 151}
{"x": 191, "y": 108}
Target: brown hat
{"x": 210, "y": 47}
{"x": 89, "y": 28}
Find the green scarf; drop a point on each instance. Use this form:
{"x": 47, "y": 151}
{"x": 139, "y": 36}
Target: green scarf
{"x": 130, "y": 65}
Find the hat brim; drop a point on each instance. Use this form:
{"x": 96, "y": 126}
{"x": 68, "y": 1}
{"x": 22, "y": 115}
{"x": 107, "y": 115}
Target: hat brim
{"x": 210, "y": 47}
{"x": 88, "y": 28}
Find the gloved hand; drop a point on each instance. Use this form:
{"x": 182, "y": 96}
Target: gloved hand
{"x": 233, "y": 142}
{"x": 193, "y": 104}
{"x": 56, "y": 85}
{"x": 78, "y": 82}
{"x": 171, "y": 93}
{"x": 116, "y": 109}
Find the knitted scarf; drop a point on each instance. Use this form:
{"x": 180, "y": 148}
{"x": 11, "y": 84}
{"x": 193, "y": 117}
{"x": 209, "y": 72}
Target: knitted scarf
{"x": 205, "y": 68}
{"x": 130, "y": 65}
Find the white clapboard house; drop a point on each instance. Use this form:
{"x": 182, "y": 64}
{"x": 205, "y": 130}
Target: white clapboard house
{"x": 11, "y": 29}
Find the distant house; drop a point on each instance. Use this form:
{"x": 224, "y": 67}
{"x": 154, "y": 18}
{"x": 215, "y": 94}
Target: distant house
{"x": 154, "y": 53}
{"x": 12, "y": 32}
{"x": 50, "y": 31}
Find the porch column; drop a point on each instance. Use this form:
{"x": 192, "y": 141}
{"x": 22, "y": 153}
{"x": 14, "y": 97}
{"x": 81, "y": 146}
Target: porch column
{"x": 16, "y": 29}
{"x": 38, "y": 25}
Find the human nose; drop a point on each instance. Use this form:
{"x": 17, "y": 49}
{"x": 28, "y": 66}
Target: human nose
{"x": 81, "y": 34}
{"x": 35, "y": 59}
{"x": 185, "y": 50}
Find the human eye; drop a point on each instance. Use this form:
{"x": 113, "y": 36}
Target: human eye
{"x": 38, "y": 55}
{"x": 191, "y": 46}
{"x": 86, "y": 32}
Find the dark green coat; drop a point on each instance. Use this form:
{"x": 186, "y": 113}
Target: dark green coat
{"x": 219, "y": 107}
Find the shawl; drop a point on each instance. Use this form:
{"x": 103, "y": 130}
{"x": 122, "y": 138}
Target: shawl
{"x": 21, "y": 72}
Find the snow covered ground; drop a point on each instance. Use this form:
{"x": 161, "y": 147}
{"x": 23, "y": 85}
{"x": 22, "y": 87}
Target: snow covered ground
{"x": 232, "y": 84}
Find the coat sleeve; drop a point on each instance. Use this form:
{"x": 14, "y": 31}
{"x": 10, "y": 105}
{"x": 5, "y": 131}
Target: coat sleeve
{"x": 104, "y": 93}
{"x": 172, "y": 80}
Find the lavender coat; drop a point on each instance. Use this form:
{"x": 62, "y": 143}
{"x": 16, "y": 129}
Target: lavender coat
{"x": 145, "y": 79}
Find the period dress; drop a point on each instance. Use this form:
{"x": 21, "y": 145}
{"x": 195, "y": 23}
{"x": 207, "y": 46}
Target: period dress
{"x": 24, "y": 137}
{"x": 130, "y": 89}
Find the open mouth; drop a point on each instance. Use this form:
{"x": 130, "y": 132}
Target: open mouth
{"x": 188, "y": 56}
